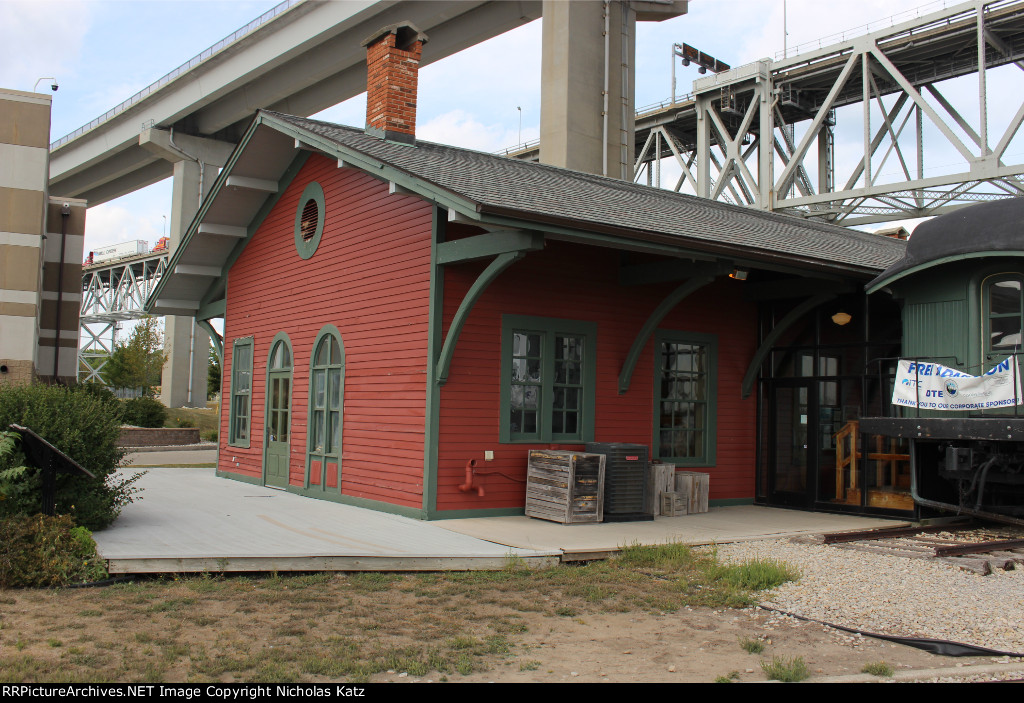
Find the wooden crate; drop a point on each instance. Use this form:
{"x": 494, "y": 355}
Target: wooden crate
{"x": 664, "y": 482}
{"x": 565, "y": 486}
{"x": 673, "y": 504}
{"x": 694, "y": 485}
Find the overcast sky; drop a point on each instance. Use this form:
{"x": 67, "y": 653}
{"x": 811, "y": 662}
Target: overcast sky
{"x": 103, "y": 51}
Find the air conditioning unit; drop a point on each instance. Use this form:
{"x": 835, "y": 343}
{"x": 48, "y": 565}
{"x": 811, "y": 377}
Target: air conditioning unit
{"x": 628, "y": 481}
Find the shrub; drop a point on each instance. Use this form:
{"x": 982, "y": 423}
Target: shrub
{"x": 85, "y": 426}
{"x": 46, "y": 551}
{"x": 101, "y": 392}
{"x": 144, "y": 412}
{"x": 210, "y": 436}
{"x": 786, "y": 670}
{"x": 880, "y": 668}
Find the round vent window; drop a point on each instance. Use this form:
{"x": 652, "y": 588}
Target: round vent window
{"x": 310, "y": 214}
{"x": 309, "y": 220}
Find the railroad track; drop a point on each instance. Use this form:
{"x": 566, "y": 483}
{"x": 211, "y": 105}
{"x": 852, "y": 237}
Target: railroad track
{"x": 978, "y": 548}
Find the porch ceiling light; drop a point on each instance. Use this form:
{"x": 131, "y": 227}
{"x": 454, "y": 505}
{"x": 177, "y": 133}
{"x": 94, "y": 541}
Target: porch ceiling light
{"x": 841, "y": 318}
{"x": 739, "y": 274}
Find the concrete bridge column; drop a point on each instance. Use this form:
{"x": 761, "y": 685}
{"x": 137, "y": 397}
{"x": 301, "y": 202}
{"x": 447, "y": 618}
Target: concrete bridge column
{"x": 196, "y": 163}
{"x": 588, "y": 70}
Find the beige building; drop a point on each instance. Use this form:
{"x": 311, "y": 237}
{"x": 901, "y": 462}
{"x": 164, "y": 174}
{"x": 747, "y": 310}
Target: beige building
{"x": 38, "y": 295}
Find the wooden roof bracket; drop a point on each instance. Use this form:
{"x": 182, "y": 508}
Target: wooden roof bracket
{"x": 486, "y": 277}
{"x": 773, "y": 336}
{"x": 663, "y": 309}
{"x": 218, "y": 341}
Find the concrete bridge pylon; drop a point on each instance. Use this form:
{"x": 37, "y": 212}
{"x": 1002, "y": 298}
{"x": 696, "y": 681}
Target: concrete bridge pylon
{"x": 195, "y": 162}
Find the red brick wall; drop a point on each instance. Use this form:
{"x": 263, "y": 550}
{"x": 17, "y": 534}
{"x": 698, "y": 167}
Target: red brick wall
{"x": 370, "y": 278}
{"x": 576, "y": 282}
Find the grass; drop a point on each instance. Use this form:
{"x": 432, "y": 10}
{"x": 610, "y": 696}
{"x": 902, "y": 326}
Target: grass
{"x": 731, "y": 677}
{"x": 339, "y": 627}
{"x": 205, "y": 419}
{"x": 758, "y": 575}
{"x": 752, "y": 645}
{"x": 786, "y": 670}
{"x": 881, "y": 668}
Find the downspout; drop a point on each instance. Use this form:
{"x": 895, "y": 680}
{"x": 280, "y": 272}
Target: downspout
{"x": 192, "y": 331}
{"x": 604, "y": 113}
{"x": 65, "y": 214}
{"x": 191, "y": 359}
{"x": 202, "y": 166}
{"x": 624, "y": 157}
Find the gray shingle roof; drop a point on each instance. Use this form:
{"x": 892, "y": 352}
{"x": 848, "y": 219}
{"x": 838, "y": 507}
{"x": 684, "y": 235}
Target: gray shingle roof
{"x": 541, "y": 193}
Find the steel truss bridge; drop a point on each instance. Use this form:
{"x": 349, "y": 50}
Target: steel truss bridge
{"x": 764, "y": 134}
{"x": 113, "y": 292}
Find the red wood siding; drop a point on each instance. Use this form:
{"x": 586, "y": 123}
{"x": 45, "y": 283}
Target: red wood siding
{"x": 370, "y": 278}
{"x": 581, "y": 283}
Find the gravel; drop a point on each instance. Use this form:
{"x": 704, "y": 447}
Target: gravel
{"x": 895, "y": 595}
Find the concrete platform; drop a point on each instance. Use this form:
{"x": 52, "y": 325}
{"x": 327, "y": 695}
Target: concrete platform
{"x": 191, "y": 521}
{"x": 718, "y": 525}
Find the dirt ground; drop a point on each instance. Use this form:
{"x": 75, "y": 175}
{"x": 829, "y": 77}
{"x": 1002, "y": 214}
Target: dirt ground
{"x": 563, "y": 625}
{"x": 698, "y": 645}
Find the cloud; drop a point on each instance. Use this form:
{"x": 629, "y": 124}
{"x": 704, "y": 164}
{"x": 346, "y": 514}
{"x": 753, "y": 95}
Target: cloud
{"x": 41, "y": 38}
{"x": 132, "y": 217}
{"x": 465, "y": 129}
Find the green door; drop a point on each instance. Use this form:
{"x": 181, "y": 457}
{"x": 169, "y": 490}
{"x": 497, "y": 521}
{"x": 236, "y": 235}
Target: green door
{"x": 278, "y": 415}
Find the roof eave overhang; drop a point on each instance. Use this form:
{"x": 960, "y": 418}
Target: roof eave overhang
{"x": 165, "y": 300}
{"x": 675, "y": 244}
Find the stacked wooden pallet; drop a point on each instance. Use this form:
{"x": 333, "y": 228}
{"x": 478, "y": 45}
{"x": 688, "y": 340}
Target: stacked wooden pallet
{"x": 565, "y": 486}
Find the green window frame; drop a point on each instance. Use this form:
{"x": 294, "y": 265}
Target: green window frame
{"x": 548, "y": 379}
{"x": 1003, "y": 313}
{"x": 240, "y": 404}
{"x": 309, "y": 220}
{"x": 685, "y": 397}
{"x": 326, "y": 402}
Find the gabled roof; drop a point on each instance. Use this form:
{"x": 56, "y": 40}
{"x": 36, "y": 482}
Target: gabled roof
{"x": 515, "y": 193}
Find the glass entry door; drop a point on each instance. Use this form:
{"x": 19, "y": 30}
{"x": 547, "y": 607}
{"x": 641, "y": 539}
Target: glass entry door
{"x": 792, "y": 435}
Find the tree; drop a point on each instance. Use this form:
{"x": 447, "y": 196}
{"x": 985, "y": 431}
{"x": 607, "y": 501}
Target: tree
{"x": 138, "y": 362}
{"x": 213, "y": 374}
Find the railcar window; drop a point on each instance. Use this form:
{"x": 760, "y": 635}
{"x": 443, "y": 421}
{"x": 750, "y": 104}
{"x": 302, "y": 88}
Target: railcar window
{"x": 1004, "y": 306}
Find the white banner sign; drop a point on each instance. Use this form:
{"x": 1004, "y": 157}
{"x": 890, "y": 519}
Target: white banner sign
{"x": 938, "y": 387}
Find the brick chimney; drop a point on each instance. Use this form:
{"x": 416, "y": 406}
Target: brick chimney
{"x": 392, "y": 64}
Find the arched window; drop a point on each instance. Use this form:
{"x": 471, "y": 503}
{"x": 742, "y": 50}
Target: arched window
{"x": 326, "y": 401}
{"x": 1003, "y": 313}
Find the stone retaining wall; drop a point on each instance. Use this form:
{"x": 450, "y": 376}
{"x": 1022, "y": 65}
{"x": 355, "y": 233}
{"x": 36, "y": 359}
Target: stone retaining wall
{"x": 157, "y": 436}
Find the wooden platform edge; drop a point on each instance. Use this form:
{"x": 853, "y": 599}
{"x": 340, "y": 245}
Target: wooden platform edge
{"x": 217, "y": 565}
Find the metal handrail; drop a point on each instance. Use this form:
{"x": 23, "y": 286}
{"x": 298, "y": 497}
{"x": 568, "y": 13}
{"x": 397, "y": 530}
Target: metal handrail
{"x": 183, "y": 68}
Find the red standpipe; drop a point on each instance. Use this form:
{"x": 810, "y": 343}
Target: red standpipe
{"x": 468, "y": 485}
